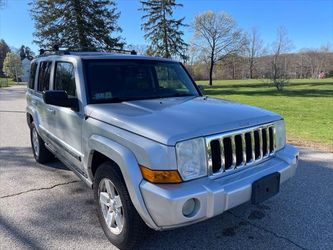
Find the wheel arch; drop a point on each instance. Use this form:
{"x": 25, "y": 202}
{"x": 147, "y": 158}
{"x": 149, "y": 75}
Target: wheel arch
{"x": 30, "y": 119}
{"x": 103, "y": 149}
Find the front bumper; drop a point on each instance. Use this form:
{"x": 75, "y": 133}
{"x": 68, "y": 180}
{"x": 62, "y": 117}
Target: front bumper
{"x": 165, "y": 201}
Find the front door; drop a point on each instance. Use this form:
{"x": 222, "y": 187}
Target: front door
{"x": 67, "y": 125}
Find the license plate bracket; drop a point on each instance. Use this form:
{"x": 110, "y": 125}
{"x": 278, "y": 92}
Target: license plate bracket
{"x": 265, "y": 188}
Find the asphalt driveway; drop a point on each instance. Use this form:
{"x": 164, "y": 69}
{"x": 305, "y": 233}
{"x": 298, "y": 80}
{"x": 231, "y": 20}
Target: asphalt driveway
{"x": 48, "y": 207}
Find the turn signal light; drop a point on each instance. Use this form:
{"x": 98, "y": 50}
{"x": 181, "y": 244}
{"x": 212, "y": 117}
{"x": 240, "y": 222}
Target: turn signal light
{"x": 160, "y": 176}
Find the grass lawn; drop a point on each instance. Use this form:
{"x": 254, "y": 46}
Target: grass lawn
{"x": 6, "y": 82}
{"x": 306, "y": 104}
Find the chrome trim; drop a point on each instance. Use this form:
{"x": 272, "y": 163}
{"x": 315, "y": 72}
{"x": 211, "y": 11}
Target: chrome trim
{"x": 253, "y": 147}
{"x": 274, "y": 136}
{"x": 245, "y": 162}
{"x": 268, "y": 141}
{"x": 222, "y": 155}
{"x": 260, "y": 142}
{"x": 233, "y": 148}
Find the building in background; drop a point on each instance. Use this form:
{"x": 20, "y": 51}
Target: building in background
{"x": 26, "y": 69}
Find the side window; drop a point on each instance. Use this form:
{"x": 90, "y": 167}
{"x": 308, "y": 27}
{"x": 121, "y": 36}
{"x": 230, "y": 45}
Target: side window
{"x": 33, "y": 68}
{"x": 65, "y": 78}
{"x": 44, "y": 76}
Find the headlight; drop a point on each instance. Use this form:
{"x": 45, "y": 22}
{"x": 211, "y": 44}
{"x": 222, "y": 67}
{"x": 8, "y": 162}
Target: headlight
{"x": 191, "y": 158}
{"x": 280, "y": 134}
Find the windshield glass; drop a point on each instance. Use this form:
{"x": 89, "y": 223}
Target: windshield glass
{"x": 125, "y": 80}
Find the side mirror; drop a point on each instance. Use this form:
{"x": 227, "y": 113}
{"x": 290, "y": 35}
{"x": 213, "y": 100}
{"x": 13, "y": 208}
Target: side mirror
{"x": 61, "y": 99}
{"x": 201, "y": 89}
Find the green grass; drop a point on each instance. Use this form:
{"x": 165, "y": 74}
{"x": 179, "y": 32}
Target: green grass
{"x": 6, "y": 82}
{"x": 306, "y": 104}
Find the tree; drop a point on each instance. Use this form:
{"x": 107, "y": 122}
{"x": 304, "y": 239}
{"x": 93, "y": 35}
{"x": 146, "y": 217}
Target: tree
{"x": 12, "y": 66}
{"x": 25, "y": 52}
{"x": 141, "y": 49}
{"x": 75, "y": 24}
{"x": 21, "y": 52}
{"x": 279, "y": 64}
{"x": 4, "y": 49}
{"x": 254, "y": 50}
{"x": 217, "y": 35}
{"x": 162, "y": 30}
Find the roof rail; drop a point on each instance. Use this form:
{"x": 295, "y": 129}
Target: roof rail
{"x": 56, "y": 51}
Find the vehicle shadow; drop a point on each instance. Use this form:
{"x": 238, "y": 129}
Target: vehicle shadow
{"x": 67, "y": 215}
{"x": 23, "y": 157}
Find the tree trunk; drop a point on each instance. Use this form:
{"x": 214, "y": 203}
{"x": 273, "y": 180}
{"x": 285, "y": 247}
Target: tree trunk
{"x": 82, "y": 39}
{"x": 211, "y": 68}
{"x": 251, "y": 68}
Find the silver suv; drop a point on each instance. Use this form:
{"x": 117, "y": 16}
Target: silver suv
{"x": 156, "y": 152}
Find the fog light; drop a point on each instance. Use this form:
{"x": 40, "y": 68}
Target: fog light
{"x": 190, "y": 207}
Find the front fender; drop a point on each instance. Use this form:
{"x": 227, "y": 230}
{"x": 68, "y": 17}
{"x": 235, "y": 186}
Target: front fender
{"x": 129, "y": 167}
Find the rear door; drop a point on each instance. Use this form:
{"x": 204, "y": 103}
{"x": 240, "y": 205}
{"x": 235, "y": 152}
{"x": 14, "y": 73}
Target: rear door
{"x": 45, "y": 115}
{"x": 31, "y": 98}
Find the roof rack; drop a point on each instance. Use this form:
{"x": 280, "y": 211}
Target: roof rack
{"x": 56, "y": 51}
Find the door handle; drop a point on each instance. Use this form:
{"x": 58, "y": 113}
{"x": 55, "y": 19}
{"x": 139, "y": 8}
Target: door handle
{"x": 51, "y": 110}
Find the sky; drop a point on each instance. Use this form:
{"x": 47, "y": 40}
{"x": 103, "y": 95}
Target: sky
{"x": 309, "y": 23}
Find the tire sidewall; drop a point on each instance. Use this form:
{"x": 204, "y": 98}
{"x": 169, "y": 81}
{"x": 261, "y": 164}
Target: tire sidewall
{"x": 105, "y": 171}
{"x": 32, "y": 128}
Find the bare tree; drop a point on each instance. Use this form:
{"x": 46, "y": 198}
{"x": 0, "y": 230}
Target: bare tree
{"x": 316, "y": 61}
{"x": 254, "y": 50}
{"x": 217, "y": 36}
{"x": 279, "y": 64}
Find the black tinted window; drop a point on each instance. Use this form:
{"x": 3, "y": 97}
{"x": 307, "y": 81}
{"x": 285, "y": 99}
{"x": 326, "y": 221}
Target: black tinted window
{"x": 33, "y": 69}
{"x": 65, "y": 78}
{"x": 120, "y": 80}
{"x": 44, "y": 76}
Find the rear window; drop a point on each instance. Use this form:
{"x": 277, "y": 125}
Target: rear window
{"x": 32, "y": 76}
{"x": 123, "y": 80}
{"x": 44, "y": 76}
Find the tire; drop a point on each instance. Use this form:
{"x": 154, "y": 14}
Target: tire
{"x": 41, "y": 153}
{"x": 131, "y": 228}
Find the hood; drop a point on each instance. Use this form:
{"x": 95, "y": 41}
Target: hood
{"x": 170, "y": 120}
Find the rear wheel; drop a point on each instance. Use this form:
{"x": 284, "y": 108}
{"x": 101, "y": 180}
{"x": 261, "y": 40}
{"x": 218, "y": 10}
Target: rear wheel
{"x": 41, "y": 153}
{"x": 120, "y": 221}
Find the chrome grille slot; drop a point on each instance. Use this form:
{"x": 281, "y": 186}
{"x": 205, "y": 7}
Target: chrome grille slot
{"x": 227, "y": 152}
{"x": 216, "y": 155}
{"x": 230, "y": 151}
{"x": 248, "y": 147}
{"x": 256, "y": 145}
{"x": 239, "y": 150}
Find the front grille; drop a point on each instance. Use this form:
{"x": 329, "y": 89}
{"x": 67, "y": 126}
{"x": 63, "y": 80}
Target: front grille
{"x": 238, "y": 149}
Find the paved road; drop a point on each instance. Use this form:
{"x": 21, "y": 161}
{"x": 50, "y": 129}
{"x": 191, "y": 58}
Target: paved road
{"x": 47, "y": 206}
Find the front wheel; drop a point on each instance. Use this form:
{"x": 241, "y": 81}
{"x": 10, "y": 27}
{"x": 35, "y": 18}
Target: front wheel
{"x": 120, "y": 221}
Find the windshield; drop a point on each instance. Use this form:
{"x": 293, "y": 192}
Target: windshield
{"x": 125, "y": 80}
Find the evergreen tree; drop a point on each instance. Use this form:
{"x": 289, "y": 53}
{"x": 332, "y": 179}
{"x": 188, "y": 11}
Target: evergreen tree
{"x": 4, "y": 49}
{"x": 76, "y": 24}
{"x": 21, "y": 52}
{"x": 162, "y": 30}
{"x": 25, "y": 52}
